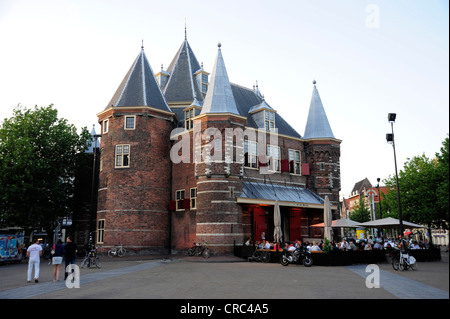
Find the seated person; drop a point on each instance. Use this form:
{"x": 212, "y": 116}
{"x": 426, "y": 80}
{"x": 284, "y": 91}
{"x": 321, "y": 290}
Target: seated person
{"x": 315, "y": 247}
{"x": 415, "y": 245}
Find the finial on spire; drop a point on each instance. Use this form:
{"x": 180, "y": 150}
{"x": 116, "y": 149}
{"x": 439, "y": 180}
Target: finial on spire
{"x": 314, "y": 82}
{"x": 185, "y": 29}
{"x": 219, "y": 45}
{"x": 142, "y": 45}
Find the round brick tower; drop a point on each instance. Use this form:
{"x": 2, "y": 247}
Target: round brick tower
{"x": 135, "y": 167}
{"x": 218, "y": 171}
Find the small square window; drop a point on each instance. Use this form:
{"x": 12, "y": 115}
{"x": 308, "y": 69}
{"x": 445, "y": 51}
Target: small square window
{"x": 130, "y": 122}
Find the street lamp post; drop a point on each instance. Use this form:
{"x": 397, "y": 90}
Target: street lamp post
{"x": 390, "y": 139}
{"x": 379, "y": 198}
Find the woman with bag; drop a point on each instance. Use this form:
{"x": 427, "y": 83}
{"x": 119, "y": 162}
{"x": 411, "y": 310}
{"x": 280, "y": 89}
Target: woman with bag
{"x": 57, "y": 256}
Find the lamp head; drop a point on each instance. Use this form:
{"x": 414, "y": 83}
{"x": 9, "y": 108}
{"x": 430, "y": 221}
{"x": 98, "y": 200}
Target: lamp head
{"x": 390, "y": 137}
{"x": 391, "y": 117}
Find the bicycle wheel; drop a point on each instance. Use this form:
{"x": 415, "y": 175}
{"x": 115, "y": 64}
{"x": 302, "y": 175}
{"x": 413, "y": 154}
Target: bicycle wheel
{"x": 395, "y": 263}
{"x": 413, "y": 265}
{"x": 85, "y": 262}
{"x": 110, "y": 253}
{"x": 403, "y": 265}
{"x": 121, "y": 252}
{"x": 265, "y": 257}
{"x": 206, "y": 253}
{"x": 191, "y": 252}
{"x": 97, "y": 262}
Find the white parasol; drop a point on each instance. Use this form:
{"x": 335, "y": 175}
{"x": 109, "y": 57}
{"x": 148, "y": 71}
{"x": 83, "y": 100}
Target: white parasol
{"x": 327, "y": 219}
{"x": 277, "y": 233}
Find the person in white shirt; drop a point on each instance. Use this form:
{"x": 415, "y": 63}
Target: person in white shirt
{"x": 34, "y": 253}
{"x": 344, "y": 245}
{"x": 415, "y": 245}
{"x": 314, "y": 247}
{"x": 267, "y": 245}
{"x": 291, "y": 247}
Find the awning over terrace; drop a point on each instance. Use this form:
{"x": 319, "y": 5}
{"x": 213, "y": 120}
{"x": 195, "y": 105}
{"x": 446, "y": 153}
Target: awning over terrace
{"x": 268, "y": 194}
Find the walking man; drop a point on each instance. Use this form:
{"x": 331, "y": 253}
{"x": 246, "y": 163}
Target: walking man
{"x": 34, "y": 253}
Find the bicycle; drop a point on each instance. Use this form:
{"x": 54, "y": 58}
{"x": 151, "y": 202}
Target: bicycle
{"x": 121, "y": 251}
{"x": 402, "y": 260}
{"x": 91, "y": 259}
{"x": 260, "y": 255}
{"x": 199, "y": 249}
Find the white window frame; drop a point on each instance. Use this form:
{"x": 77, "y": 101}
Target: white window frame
{"x": 269, "y": 120}
{"x": 119, "y": 155}
{"x": 251, "y": 155}
{"x": 125, "y": 122}
{"x": 274, "y": 153}
{"x": 180, "y": 195}
{"x": 193, "y": 199}
{"x": 105, "y": 126}
{"x": 188, "y": 115}
{"x": 100, "y": 231}
{"x": 299, "y": 162}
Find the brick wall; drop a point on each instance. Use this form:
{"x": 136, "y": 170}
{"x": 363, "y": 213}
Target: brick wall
{"x": 134, "y": 200}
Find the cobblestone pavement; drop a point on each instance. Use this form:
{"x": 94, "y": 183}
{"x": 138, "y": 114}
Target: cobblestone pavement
{"x": 227, "y": 277}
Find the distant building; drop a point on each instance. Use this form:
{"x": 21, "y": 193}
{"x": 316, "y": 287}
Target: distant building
{"x": 182, "y": 161}
{"x": 369, "y": 195}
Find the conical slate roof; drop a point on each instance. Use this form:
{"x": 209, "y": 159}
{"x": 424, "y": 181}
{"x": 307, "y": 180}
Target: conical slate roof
{"x": 317, "y": 125}
{"x": 139, "y": 87}
{"x": 181, "y": 86}
{"x": 219, "y": 98}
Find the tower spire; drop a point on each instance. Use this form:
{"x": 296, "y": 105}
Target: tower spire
{"x": 317, "y": 125}
{"x": 219, "y": 97}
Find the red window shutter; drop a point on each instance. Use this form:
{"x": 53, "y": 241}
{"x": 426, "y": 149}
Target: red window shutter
{"x": 172, "y": 205}
{"x": 263, "y": 161}
{"x": 285, "y": 165}
{"x": 186, "y": 203}
{"x": 305, "y": 168}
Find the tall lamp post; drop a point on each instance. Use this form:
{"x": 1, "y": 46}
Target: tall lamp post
{"x": 390, "y": 139}
{"x": 379, "y": 198}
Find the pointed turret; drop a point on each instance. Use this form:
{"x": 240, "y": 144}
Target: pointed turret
{"x": 317, "y": 125}
{"x": 182, "y": 85}
{"x": 219, "y": 98}
{"x": 139, "y": 87}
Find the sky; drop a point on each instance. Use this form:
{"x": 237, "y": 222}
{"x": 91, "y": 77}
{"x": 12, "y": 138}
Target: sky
{"x": 368, "y": 57}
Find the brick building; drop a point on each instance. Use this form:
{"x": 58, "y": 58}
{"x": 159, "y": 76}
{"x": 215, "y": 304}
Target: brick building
{"x": 188, "y": 156}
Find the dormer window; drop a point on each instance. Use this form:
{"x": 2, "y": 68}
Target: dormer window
{"x": 269, "y": 120}
{"x": 188, "y": 115}
{"x": 202, "y": 79}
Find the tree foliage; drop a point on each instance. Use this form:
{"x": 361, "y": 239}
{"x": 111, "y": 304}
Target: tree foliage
{"x": 38, "y": 154}
{"x": 360, "y": 213}
{"x": 424, "y": 190}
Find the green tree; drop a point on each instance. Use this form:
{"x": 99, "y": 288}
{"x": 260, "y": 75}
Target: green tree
{"x": 361, "y": 213}
{"x": 38, "y": 154}
{"x": 442, "y": 190}
{"x": 423, "y": 190}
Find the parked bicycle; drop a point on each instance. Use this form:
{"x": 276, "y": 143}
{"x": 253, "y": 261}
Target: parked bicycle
{"x": 199, "y": 249}
{"x": 402, "y": 260}
{"x": 117, "y": 251}
{"x": 260, "y": 255}
{"x": 91, "y": 260}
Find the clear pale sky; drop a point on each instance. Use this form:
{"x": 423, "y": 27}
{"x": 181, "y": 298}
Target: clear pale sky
{"x": 369, "y": 58}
